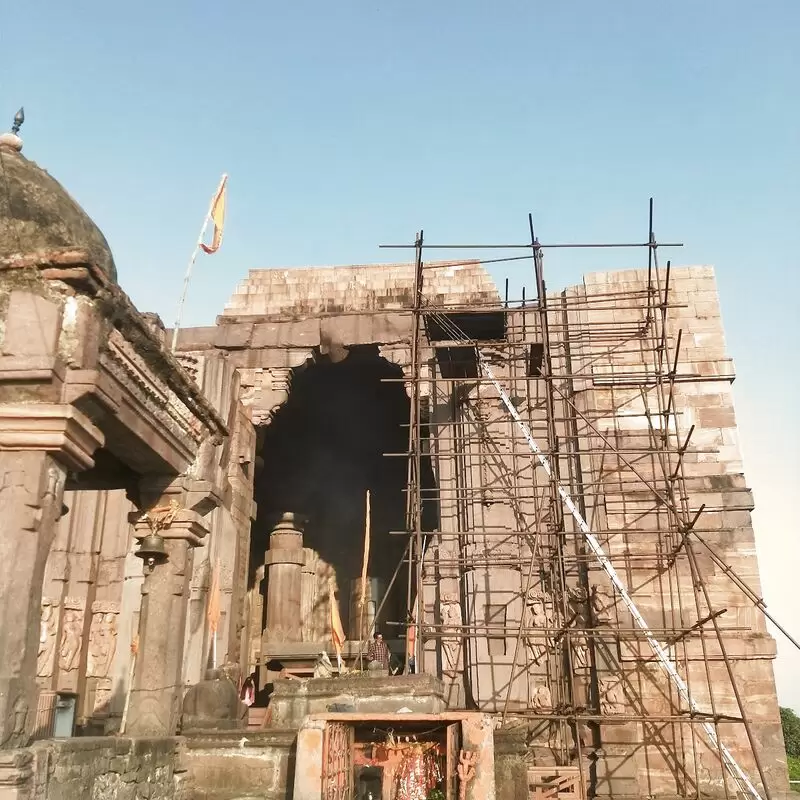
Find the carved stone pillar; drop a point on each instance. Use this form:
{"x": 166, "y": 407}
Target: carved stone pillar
{"x": 39, "y": 443}
{"x": 309, "y": 592}
{"x": 158, "y": 680}
{"x": 284, "y": 562}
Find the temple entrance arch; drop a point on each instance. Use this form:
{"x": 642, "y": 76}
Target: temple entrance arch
{"x": 342, "y": 431}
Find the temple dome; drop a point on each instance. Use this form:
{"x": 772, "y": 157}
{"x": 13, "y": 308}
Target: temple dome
{"x": 37, "y": 213}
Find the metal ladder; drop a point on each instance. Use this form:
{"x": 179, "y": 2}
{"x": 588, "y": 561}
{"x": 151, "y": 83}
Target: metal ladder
{"x": 737, "y": 773}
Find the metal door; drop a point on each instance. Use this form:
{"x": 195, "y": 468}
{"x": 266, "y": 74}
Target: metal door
{"x": 453, "y": 749}
{"x": 337, "y": 762}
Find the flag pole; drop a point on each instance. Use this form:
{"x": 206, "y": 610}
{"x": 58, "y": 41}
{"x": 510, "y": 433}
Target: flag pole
{"x": 364, "y": 566}
{"x": 189, "y": 269}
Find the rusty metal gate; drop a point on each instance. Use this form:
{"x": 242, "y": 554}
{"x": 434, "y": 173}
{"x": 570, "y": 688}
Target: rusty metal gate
{"x": 337, "y": 762}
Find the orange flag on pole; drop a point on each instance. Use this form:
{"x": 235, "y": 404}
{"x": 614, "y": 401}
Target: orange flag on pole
{"x": 217, "y": 216}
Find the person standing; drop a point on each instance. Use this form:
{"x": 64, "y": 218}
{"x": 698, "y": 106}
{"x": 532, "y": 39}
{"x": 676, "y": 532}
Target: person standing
{"x": 378, "y": 651}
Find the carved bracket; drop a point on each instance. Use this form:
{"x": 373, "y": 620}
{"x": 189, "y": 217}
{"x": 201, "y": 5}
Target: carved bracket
{"x": 61, "y": 430}
{"x": 171, "y": 522}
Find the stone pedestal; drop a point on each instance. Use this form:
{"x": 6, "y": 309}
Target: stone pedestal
{"x": 284, "y": 566}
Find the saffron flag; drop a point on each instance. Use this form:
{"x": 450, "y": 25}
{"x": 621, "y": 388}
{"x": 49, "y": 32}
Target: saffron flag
{"x": 213, "y": 611}
{"x": 337, "y": 632}
{"x": 217, "y": 216}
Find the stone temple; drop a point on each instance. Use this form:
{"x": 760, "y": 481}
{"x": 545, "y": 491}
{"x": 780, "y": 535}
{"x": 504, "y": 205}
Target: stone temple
{"x": 561, "y": 557}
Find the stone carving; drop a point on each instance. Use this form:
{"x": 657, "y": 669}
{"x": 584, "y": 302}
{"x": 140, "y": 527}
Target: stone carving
{"x": 467, "y": 761}
{"x": 14, "y": 484}
{"x": 538, "y": 614}
{"x": 541, "y": 699}
{"x": 602, "y": 604}
{"x": 580, "y": 653}
{"x": 213, "y": 704}
{"x": 280, "y": 384}
{"x": 71, "y": 634}
{"x": 17, "y": 716}
{"x": 102, "y": 640}
{"x": 612, "y": 697}
{"x": 48, "y": 629}
{"x": 122, "y": 360}
{"x": 578, "y": 604}
{"x": 161, "y": 517}
{"x": 451, "y": 623}
{"x": 323, "y": 667}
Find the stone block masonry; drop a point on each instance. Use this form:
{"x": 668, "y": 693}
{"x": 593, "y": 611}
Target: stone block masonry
{"x": 105, "y": 768}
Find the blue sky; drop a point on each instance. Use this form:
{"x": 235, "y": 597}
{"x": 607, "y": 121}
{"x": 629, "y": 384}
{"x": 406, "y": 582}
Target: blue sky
{"x": 352, "y": 124}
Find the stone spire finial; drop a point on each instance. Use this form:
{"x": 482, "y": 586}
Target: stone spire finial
{"x": 12, "y": 139}
{"x": 19, "y": 118}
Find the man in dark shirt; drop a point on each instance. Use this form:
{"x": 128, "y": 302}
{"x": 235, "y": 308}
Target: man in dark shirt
{"x": 378, "y": 651}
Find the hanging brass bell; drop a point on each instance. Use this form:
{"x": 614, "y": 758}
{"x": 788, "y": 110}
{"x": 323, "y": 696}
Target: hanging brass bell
{"x": 152, "y": 551}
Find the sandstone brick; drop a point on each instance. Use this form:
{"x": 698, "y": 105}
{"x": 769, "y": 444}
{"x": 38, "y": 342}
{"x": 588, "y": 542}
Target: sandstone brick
{"x": 716, "y": 417}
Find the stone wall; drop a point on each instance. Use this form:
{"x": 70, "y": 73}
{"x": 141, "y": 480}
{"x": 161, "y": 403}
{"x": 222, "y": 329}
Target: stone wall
{"x": 288, "y": 293}
{"x": 237, "y": 765}
{"x": 80, "y": 649}
{"x": 105, "y": 768}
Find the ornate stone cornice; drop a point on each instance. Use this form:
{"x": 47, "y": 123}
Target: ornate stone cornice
{"x": 73, "y": 268}
{"x": 59, "y": 429}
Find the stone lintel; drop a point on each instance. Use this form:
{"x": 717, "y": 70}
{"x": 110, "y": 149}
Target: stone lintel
{"x": 81, "y": 383}
{"x": 58, "y": 429}
{"x": 41, "y": 369}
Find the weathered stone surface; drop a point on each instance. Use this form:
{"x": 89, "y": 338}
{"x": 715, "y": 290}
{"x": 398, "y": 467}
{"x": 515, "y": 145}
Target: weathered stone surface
{"x": 112, "y": 769}
{"x": 41, "y": 215}
{"x": 293, "y": 700}
{"x": 234, "y": 766}
{"x": 285, "y": 293}
{"x": 213, "y": 704}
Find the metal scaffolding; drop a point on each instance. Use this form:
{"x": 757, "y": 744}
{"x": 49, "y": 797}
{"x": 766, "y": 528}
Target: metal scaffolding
{"x": 493, "y": 388}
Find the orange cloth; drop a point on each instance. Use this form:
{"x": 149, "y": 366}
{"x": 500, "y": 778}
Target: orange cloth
{"x": 337, "y": 631}
{"x": 213, "y": 611}
{"x": 218, "y": 218}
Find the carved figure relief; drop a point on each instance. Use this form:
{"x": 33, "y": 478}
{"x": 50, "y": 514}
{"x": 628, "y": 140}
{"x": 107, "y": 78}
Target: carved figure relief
{"x": 580, "y": 653}
{"x": 451, "y": 623}
{"x": 541, "y": 699}
{"x": 47, "y": 639}
{"x": 538, "y": 614}
{"x": 578, "y": 604}
{"x": 612, "y": 696}
{"x": 17, "y": 717}
{"x": 70, "y": 649}
{"x": 102, "y": 640}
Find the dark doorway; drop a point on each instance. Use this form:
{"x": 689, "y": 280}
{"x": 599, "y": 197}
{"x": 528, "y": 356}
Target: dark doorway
{"x": 321, "y": 453}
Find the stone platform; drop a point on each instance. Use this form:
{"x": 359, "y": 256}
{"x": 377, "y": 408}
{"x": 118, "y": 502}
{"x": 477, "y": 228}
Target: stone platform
{"x": 292, "y": 701}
